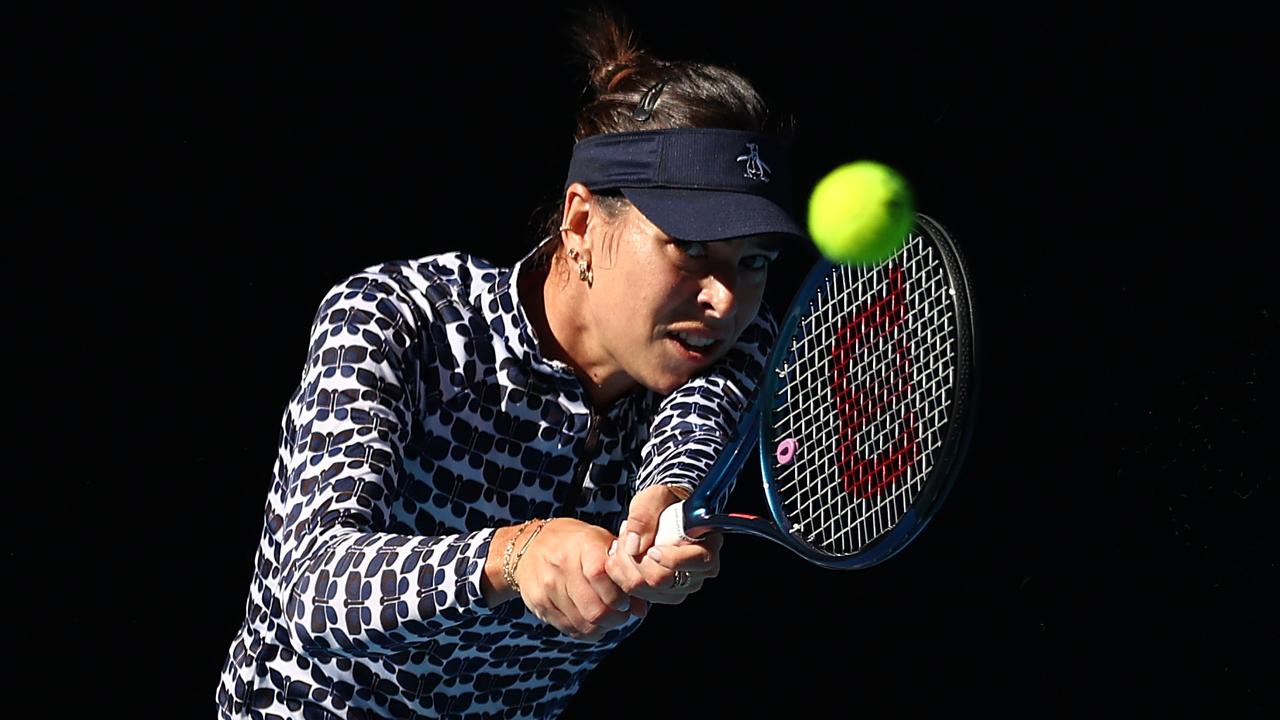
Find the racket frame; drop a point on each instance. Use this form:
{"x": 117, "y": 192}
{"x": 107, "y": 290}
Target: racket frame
{"x": 696, "y": 516}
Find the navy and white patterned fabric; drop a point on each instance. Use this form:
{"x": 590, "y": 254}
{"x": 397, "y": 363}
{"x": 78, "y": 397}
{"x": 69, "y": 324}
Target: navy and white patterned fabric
{"x": 425, "y": 418}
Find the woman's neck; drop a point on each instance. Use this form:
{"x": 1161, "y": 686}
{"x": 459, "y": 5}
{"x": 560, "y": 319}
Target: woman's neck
{"x": 555, "y": 305}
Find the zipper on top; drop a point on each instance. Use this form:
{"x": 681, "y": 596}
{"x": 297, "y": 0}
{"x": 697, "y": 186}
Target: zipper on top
{"x": 569, "y": 507}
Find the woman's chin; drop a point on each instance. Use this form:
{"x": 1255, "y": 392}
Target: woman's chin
{"x": 666, "y": 382}
{"x": 677, "y": 366}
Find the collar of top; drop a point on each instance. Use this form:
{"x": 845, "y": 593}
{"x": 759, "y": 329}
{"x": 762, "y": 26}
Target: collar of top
{"x": 506, "y": 315}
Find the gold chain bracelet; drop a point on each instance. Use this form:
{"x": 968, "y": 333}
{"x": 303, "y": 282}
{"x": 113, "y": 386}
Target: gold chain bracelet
{"x": 508, "y": 571}
{"x": 512, "y": 580}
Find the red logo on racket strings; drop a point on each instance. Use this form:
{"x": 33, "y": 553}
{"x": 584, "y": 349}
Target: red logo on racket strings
{"x": 863, "y": 404}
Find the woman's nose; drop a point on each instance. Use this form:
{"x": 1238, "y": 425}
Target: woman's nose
{"x": 718, "y": 295}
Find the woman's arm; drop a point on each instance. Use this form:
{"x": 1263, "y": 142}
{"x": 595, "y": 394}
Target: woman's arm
{"x": 692, "y": 427}
{"x": 348, "y": 585}
{"x": 694, "y": 423}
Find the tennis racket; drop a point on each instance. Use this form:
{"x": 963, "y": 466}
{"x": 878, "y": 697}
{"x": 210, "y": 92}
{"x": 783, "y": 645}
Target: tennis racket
{"x": 864, "y": 413}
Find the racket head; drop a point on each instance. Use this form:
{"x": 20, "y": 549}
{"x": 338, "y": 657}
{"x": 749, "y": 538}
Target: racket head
{"x": 867, "y": 409}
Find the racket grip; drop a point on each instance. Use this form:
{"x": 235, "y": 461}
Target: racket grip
{"x": 671, "y": 525}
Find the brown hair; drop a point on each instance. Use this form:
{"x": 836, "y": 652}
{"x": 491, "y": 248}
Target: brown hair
{"x": 620, "y": 73}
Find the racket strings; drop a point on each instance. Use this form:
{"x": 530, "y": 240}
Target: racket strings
{"x": 852, "y": 472}
{"x": 864, "y": 398}
{"x": 857, "y": 406}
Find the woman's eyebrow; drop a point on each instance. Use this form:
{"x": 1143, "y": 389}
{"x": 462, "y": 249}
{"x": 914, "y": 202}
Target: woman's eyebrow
{"x": 765, "y": 243}
{"x": 768, "y": 243}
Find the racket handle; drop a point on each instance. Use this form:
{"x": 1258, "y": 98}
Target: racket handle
{"x": 671, "y": 525}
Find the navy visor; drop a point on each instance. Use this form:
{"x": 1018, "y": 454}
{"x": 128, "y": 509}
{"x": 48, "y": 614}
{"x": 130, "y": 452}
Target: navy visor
{"x": 696, "y": 184}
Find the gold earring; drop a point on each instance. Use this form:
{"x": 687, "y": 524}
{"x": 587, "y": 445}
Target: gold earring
{"x": 584, "y": 269}
{"x": 565, "y": 227}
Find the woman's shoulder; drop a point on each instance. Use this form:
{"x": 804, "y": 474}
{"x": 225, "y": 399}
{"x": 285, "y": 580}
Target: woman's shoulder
{"x": 454, "y": 279}
{"x": 458, "y": 270}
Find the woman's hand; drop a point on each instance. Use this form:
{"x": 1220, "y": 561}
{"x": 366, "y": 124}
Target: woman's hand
{"x": 665, "y": 574}
{"x": 563, "y": 581}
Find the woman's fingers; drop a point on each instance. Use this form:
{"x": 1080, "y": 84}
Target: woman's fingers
{"x": 652, "y": 581}
{"x": 564, "y": 582}
{"x": 593, "y": 570}
{"x": 585, "y": 583}
{"x": 702, "y": 558}
{"x": 599, "y": 603}
{"x": 643, "y": 514}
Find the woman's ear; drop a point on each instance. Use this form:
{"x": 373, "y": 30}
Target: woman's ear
{"x": 573, "y": 223}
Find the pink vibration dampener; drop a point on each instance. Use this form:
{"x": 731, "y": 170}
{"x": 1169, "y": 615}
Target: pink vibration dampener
{"x": 786, "y": 451}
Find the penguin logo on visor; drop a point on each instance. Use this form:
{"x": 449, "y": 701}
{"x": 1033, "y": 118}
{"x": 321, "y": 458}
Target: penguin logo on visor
{"x": 756, "y": 169}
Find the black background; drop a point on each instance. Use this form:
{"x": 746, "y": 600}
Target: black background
{"x": 202, "y": 180}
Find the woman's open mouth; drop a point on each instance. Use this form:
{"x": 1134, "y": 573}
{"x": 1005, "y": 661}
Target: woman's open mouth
{"x": 694, "y": 346}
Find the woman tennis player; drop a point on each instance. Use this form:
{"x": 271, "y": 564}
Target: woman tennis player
{"x": 472, "y": 467}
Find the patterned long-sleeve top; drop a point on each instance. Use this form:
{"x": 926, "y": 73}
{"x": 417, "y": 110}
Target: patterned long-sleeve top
{"x": 424, "y": 419}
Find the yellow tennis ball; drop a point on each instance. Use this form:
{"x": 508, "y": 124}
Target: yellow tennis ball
{"x": 861, "y": 213}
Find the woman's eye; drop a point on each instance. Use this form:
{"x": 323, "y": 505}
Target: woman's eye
{"x": 692, "y": 249}
{"x": 756, "y": 262}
